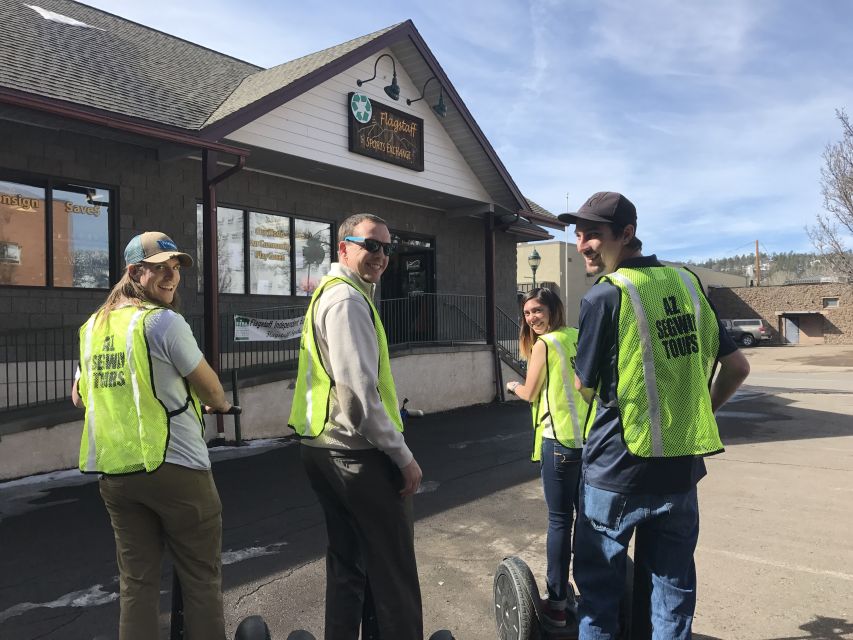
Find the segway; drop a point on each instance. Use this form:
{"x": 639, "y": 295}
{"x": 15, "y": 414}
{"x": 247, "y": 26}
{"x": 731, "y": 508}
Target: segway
{"x": 518, "y": 614}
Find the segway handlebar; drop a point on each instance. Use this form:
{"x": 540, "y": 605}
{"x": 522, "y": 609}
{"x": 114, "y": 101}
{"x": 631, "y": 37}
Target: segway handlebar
{"x": 233, "y": 411}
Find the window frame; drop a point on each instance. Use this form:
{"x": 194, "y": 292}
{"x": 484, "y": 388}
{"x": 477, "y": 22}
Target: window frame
{"x": 825, "y": 299}
{"x": 50, "y": 182}
{"x": 247, "y": 275}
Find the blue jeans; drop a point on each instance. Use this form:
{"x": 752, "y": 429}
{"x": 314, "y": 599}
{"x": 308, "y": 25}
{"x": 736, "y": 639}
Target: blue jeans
{"x": 668, "y": 527}
{"x": 560, "y": 473}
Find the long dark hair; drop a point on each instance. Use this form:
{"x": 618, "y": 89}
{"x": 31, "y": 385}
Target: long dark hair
{"x": 127, "y": 290}
{"x": 556, "y": 317}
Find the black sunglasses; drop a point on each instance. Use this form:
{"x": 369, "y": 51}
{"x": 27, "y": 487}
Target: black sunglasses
{"x": 371, "y": 245}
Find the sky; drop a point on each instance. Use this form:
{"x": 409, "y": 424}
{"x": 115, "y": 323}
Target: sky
{"x": 712, "y": 117}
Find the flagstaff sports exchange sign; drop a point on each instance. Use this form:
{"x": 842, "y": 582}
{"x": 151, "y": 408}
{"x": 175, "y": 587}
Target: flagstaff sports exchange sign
{"x": 382, "y": 132}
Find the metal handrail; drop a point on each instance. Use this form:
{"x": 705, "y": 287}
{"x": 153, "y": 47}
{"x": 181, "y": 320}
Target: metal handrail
{"x": 508, "y": 343}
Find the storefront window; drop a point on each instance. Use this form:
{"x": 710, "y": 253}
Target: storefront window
{"x": 22, "y": 228}
{"x": 269, "y": 254}
{"x": 313, "y": 254}
{"x": 271, "y": 268}
{"x": 229, "y": 224}
{"x": 81, "y": 242}
{"x": 230, "y": 247}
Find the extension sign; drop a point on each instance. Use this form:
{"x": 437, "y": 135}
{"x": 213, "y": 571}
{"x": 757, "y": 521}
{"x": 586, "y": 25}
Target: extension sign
{"x": 382, "y": 132}
{"x": 266, "y": 329}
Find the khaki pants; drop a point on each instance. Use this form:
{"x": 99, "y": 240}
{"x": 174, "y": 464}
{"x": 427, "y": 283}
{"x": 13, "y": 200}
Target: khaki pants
{"x": 179, "y": 508}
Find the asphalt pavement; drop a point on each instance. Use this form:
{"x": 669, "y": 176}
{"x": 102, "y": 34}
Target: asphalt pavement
{"x": 775, "y": 556}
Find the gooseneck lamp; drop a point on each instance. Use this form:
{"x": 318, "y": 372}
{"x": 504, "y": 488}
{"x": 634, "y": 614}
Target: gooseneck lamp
{"x": 393, "y": 89}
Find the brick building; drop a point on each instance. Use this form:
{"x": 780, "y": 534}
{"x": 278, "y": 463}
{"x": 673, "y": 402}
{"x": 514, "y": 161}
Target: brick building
{"x": 797, "y": 314}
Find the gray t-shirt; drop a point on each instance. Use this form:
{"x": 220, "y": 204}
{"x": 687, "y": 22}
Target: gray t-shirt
{"x": 174, "y": 355}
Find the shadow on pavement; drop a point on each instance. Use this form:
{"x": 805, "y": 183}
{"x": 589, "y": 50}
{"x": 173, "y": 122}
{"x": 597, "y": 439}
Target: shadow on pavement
{"x": 764, "y": 417}
{"x": 823, "y": 628}
{"x": 273, "y": 524}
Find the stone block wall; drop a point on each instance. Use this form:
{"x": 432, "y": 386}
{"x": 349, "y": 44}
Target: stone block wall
{"x": 804, "y": 300}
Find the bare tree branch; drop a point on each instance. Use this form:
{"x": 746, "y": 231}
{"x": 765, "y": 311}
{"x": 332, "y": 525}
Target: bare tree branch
{"x": 828, "y": 234}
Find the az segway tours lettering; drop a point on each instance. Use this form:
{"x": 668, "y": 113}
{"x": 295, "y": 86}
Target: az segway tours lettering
{"x": 108, "y": 366}
{"x": 678, "y": 331}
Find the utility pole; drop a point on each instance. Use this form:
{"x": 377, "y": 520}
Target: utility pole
{"x": 757, "y": 266}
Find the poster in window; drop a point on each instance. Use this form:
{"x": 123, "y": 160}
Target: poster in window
{"x": 23, "y": 253}
{"x": 81, "y": 240}
{"x": 313, "y": 254}
{"x": 230, "y": 247}
{"x": 269, "y": 254}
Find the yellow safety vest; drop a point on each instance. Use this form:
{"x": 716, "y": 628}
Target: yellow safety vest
{"x": 126, "y": 426}
{"x": 668, "y": 339}
{"x": 309, "y": 413}
{"x": 558, "y": 403}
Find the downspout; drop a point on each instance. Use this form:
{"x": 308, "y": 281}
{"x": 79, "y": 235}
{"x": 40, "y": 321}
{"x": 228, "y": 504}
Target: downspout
{"x": 491, "y": 317}
{"x": 491, "y": 298}
{"x": 210, "y": 232}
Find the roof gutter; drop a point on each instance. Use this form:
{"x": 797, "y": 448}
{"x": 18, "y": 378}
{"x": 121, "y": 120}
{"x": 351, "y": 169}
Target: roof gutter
{"x": 545, "y": 221}
{"x": 73, "y": 112}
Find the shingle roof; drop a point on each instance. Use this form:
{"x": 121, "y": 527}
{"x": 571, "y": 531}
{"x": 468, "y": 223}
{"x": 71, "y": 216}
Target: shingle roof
{"x": 538, "y": 209}
{"x": 120, "y": 67}
{"x": 263, "y": 83}
{"x": 113, "y": 64}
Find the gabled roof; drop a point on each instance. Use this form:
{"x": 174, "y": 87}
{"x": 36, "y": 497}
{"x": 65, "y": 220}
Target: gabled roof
{"x": 113, "y": 64}
{"x": 264, "y": 83}
{"x": 541, "y": 212}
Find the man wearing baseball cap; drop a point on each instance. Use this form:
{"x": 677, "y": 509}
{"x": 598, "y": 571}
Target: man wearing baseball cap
{"x": 648, "y": 345}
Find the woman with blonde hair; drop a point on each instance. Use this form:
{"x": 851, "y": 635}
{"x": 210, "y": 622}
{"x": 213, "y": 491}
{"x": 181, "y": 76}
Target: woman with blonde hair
{"x": 559, "y": 413}
{"x": 142, "y": 379}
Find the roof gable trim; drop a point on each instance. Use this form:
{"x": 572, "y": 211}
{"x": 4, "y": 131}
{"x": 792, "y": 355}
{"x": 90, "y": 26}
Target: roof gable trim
{"x": 264, "y": 105}
{"x": 271, "y": 101}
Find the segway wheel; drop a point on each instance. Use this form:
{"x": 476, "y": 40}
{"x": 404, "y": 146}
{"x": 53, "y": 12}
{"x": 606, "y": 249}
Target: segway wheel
{"x": 515, "y": 601}
{"x": 252, "y": 628}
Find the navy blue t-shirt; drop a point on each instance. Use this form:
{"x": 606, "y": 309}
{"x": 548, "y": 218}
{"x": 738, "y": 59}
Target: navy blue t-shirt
{"x": 607, "y": 463}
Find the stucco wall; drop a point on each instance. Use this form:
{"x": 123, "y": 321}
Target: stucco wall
{"x": 772, "y": 303}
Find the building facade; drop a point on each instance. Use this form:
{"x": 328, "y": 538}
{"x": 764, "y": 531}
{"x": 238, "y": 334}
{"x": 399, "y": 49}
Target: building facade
{"x": 251, "y": 171}
{"x": 796, "y": 314}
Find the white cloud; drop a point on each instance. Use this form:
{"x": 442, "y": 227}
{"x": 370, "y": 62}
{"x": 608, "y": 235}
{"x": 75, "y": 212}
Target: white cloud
{"x": 674, "y": 37}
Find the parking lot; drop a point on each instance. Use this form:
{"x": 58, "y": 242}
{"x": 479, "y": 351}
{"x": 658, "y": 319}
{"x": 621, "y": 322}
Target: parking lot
{"x": 775, "y": 556}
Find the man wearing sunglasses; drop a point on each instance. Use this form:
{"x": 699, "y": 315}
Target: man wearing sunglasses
{"x": 346, "y": 411}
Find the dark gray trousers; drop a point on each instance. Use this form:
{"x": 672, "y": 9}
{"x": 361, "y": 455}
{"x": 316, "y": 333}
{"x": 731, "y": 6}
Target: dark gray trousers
{"x": 371, "y": 537}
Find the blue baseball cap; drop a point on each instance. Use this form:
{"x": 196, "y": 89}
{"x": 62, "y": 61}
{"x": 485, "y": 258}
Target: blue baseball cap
{"x": 153, "y": 246}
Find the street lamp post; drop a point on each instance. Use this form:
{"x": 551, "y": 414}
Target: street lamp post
{"x": 534, "y": 260}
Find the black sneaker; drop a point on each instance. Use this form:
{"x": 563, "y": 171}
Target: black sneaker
{"x": 551, "y": 615}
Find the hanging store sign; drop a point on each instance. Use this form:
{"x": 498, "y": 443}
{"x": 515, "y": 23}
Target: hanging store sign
{"x": 382, "y": 132}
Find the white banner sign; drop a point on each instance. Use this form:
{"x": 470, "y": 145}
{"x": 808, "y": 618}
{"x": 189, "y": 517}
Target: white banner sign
{"x": 265, "y": 330}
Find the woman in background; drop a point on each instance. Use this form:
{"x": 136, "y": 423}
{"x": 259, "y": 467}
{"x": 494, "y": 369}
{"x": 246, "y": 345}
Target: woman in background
{"x": 559, "y": 413}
